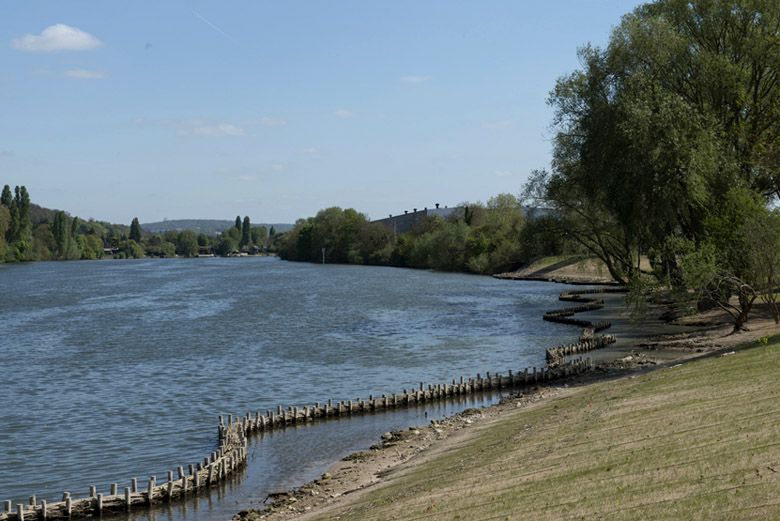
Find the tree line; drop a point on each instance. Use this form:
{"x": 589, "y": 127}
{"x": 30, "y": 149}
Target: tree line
{"x": 482, "y": 238}
{"x": 29, "y": 232}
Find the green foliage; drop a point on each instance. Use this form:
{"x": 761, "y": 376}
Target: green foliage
{"x": 91, "y": 246}
{"x": 135, "y": 230}
{"x": 246, "y": 232}
{"x": 6, "y": 199}
{"x": 226, "y": 245}
{"x": 657, "y": 128}
{"x": 186, "y": 244}
{"x": 258, "y": 235}
{"x": 131, "y": 249}
{"x": 485, "y": 240}
{"x": 168, "y": 249}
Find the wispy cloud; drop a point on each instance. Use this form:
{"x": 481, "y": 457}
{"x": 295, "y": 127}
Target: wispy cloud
{"x": 343, "y": 113}
{"x": 311, "y": 151}
{"x": 414, "y": 79}
{"x": 214, "y": 26}
{"x": 496, "y": 125}
{"x": 270, "y": 121}
{"x": 83, "y": 74}
{"x": 215, "y": 130}
{"x": 58, "y": 37}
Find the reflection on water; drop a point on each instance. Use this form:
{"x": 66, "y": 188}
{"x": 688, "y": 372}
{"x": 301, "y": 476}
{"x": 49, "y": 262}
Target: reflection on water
{"x": 131, "y": 362}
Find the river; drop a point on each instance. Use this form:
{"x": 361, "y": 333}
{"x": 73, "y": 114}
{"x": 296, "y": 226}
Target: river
{"x": 119, "y": 369}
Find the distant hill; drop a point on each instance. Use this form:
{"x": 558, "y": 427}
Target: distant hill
{"x": 207, "y": 226}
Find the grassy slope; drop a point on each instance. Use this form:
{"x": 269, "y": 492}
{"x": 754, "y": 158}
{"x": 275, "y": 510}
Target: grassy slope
{"x": 698, "y": 441}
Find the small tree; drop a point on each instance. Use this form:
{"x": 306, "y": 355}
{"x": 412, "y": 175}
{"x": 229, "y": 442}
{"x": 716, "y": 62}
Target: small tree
{"x": 135, "y": 230}
{"x": 246, "y": 232}
{"x": 187, "y": 243}
{"x": 7, "y": 198}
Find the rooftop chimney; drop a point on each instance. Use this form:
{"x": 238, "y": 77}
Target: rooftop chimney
{"x": 437, "y": 206}
{"x": 415, "y": 210}
{"x": 406, "y": 212}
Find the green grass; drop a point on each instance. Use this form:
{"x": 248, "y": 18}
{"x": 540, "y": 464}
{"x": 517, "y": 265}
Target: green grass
{"x": 698, "y": 441}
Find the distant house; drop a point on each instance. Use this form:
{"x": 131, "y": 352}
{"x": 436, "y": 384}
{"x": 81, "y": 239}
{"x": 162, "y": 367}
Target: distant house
{"x": 110, "y": 251}
{"x": 406, "y": 221}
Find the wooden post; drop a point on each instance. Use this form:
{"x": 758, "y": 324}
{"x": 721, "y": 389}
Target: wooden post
{"x": 170, "y": 490}
{"x": 180, "y": 470}
{"x": 7, "y": 506}
{"x": 100, "y": 504}
{"x": 92, "y": 491}
{"x": 127, "y": 498}
{"x": 134, "y": 485}
{"x": 150, "y": 490}
{"x": 32, "y": 501}
{"x": 113, "y": 489}
{"x": 68, "y": 506}
{"x": 44, "y": 511}
{"x": 20, "y": 512}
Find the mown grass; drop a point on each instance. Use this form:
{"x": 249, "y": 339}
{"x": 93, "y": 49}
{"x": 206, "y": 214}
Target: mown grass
{"x": 697, "y": 441}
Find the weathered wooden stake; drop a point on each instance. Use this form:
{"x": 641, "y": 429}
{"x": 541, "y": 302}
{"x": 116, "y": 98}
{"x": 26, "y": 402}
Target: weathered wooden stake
{"x": 100, "y": 504}
{"x": 7, "y": 506}
{"x": 134, "y": 485}
{"x": 32, "y": 501}
{"x": 113, "y": 489}
{"x": 20, "y": 512}
{"x": 150, "y": 490}
{"x": 92, "y": 491}
{"x": 127, "y": 498}
{"x": 44, "y": 511}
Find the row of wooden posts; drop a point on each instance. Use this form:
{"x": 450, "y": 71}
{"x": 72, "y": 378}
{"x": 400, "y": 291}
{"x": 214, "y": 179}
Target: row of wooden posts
{"x": 231, "y": 452}
{"x": 233, "y": 434}
{"x": 556, "y": 355}
{"x": 220, "y": 464}
{"x": 587, "y": 342}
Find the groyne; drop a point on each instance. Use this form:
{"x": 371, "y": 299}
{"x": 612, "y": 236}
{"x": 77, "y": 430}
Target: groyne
{"x": 587, "y": 341}
{"x": 233, "y": 432}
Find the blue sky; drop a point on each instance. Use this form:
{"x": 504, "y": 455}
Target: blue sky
{"x": 276, "y": 109}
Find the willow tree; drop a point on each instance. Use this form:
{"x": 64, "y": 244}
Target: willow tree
{"x": 655, "y": 129}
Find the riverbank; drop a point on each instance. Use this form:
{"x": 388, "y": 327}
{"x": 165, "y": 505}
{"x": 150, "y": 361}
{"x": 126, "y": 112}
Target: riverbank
{"x": 641, "y": 418}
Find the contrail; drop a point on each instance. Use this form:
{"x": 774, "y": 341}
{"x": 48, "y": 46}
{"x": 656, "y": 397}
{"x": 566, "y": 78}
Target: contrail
{"x": 215, "y": 27}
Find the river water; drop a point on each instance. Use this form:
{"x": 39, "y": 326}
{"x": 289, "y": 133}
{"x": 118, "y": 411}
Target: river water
{"x": 119, "y": 369}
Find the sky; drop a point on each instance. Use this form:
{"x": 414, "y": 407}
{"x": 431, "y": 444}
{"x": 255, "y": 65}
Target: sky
{"x": 173, "y": 109}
